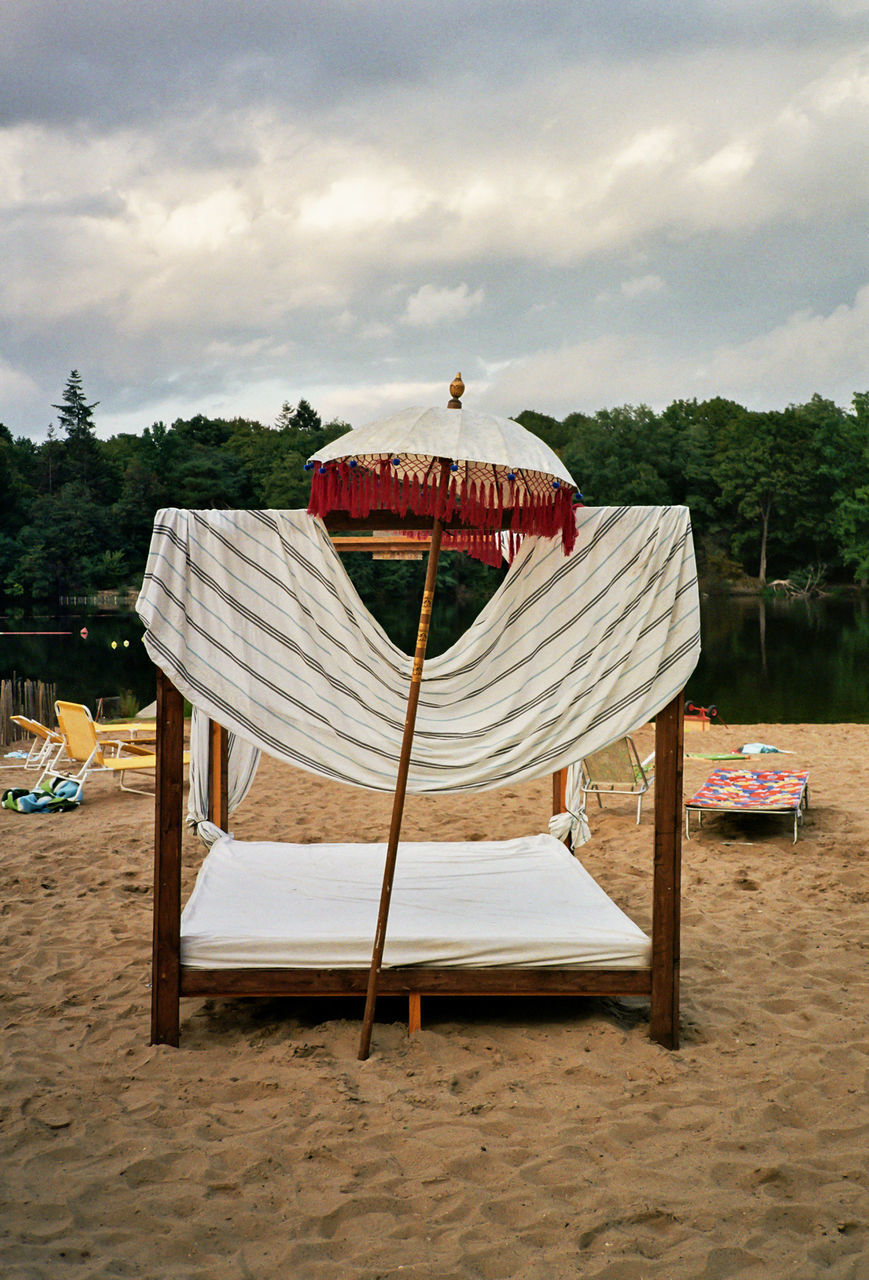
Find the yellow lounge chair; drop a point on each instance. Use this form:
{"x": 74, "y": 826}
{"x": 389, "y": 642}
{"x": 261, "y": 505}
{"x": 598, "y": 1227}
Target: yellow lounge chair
{"x": 47, "y": 743}
{"x": 84, "y": 749}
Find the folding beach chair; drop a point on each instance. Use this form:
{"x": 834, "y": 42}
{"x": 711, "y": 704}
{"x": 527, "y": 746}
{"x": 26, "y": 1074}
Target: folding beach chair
{"x": 745, "y": 791}
{"x": 46, "y": 744}
{"x": 84, "y": 749}
{"x": 616, "y": 770}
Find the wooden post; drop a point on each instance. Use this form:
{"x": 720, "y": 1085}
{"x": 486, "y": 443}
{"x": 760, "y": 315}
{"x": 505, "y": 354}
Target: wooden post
{"x": 669, "y": 734}
{"x": 414, "y": 1013}
{"x": 559, "y": 791}
{"x": 401, "y": 785}
{"x": 166, "y": 963}
{"x": 218, "y": 786}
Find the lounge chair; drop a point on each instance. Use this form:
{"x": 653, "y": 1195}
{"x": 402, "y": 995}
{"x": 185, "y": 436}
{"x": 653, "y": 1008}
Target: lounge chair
{"x": 616, "y": 770}
{"x": 46, "y": 744}
{"x": 750, "y": 791}
{"x": 84, "y": 749}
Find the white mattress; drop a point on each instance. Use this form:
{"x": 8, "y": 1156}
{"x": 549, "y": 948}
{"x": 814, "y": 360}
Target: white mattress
{"x": 522, "y": 902}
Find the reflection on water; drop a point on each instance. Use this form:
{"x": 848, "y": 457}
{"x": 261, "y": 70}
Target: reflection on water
{"x": 772, "y": 661}
{"x": 110, "y": 661}
{"x": 784, "y": 660}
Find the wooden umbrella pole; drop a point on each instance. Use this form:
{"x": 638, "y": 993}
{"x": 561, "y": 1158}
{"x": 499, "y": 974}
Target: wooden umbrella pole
{"x": 401, "y": 786}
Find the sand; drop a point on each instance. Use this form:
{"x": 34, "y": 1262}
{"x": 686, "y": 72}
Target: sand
{"x": 514, "y": 1139}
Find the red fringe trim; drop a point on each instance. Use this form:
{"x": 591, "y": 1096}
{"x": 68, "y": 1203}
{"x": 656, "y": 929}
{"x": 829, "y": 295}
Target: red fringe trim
{"x": 359, "y": 491}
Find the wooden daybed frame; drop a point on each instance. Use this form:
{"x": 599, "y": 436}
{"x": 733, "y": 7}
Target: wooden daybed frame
{"x": 171, "y": 980}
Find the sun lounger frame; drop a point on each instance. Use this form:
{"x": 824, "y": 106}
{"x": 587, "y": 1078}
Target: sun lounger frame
{"x": 797, "y": 809}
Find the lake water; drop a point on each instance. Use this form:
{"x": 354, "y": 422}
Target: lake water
{"x": 784, "y": 661}
{"x": 762, "y": 661}
{"x": 110, "y": 661}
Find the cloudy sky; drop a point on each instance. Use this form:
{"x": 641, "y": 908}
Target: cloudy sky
{"x": 218, "y": 206}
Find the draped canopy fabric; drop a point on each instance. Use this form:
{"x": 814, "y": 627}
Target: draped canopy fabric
{"x": 253, "y": 617}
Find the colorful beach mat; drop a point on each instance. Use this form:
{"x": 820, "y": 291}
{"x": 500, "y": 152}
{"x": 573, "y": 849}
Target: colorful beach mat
{"x": 752, "y": 791}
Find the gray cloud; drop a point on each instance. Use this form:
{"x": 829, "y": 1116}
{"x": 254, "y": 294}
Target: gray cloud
{"x": 215, "y": 207}
{"x": 107, "y": 62}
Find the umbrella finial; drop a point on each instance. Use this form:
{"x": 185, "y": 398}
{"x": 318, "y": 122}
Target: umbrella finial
{"x": 457, "y": 389}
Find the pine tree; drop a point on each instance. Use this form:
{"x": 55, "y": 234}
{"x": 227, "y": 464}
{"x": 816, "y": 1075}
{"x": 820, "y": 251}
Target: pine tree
{"x": 301, "y": 418}
{"x": 81, "y": 461}
{"x": 75, "y": 414}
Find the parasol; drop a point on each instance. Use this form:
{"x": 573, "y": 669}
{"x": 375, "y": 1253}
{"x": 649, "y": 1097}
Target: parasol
{"x": 470, "y": 478}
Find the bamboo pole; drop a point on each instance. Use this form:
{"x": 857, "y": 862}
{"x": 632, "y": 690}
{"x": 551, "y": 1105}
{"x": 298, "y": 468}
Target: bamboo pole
{"x": 401, "y": 786}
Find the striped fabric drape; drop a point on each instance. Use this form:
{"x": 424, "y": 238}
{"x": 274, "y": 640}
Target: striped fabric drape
{"x": 253, "y": 617}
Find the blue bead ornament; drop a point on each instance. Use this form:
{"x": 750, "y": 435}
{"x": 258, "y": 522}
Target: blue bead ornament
{"x": 353, "y": 463}
{"x": 556, "y": 484}
{"x": 454, "y": 466}
{"x": 396, "y": 462}
{"x": 511, "y": 475}
{"x": 322, "y": 471}
{"x": 309, "y": 466}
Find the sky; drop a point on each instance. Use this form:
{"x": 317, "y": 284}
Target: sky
{"x": 218, "y": 207}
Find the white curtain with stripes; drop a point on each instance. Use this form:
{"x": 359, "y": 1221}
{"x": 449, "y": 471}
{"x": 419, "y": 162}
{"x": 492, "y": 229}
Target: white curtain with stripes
{"x": 251, "y": 614}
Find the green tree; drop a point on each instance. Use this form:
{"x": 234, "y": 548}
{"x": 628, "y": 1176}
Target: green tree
{"x": 761, "y": 477}
{"x": 554, "y": 433}
{"x": 81, "y": 461}
{"x": 851, "y": 515}
{"x": 301, "y": 418}
{"x": 287, "y": 485}
{"x": 828, "y": 447}
{"x": 19, "y": 464}
{"x": 697, "y": 432}
{"x": 851, "y": 526}
{"x": 619, "y": 457}
{"x": 74, "y": 413}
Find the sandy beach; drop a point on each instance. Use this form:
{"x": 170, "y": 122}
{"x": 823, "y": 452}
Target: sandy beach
{"x": 540, "y": 1140}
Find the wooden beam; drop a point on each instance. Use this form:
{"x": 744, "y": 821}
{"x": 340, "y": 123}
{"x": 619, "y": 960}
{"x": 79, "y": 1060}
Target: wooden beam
{"x": 166, "y": 959}
{"x": 380, "y": 543}
{"x": 666, "y": 891}
{"x": 218, "y": 780}
{"x": 417, "y": 978}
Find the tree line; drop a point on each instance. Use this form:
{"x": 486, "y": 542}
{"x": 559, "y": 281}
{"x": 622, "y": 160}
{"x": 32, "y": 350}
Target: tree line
{"x": 774, "y": 494}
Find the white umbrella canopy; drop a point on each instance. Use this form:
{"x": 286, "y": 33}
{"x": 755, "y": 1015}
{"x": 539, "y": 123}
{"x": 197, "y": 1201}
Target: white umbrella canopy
{"x": 475, "y": 469}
